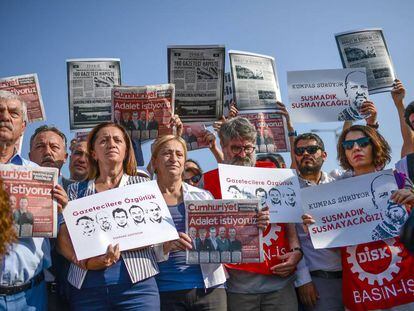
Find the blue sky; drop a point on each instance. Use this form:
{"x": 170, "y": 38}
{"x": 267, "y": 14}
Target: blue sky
{"x": 38, "y": 36}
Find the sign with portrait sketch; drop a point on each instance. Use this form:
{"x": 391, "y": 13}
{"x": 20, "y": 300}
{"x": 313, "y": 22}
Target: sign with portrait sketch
{"x": 90, "y": 81}
{"x": 223, "y": 231}
{"x": 255, "y": 82}
{"x": 132, "y": 216}
{"x": 327, "y": 95}
{"x": 33, "y": 209}
{"x": 193, "y": 135}
{"x": 367, "y": 48}
{"x": 276, "y": 188}
{"x": 354, "y": 210}
{"x": 198, "y": 74}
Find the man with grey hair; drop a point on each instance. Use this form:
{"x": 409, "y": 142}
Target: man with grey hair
{"x": 256, "y": 286}
{"x": 22, "y": 285}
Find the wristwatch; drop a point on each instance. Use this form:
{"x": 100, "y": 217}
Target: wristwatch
{"x": 292, "y": 134}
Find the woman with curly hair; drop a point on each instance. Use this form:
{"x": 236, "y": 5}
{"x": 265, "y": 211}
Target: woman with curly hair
{"x": 7, "y": 232}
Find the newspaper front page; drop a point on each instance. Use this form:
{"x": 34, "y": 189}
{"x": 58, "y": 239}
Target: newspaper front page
{"x": 30, "y": 196}
{"x": 255, "y": 82}
{"x": 271, "y": 130}
{"x": 144, "y": 111}
{"x": 198, "y": 75}
{"x": 193, "y": 135}
{"x": 223, "y": 231}
{"x": 89, "y": 89}
{"x": 367, "y": 48}
{"x": 28, "y": 88}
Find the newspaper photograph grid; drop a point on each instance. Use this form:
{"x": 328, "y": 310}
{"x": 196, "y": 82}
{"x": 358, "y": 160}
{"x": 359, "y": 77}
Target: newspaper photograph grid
{"x": 223, "y": 231}
{"x": 367, "y": 48}
{"x": 28, "y": 88}
{"x": 271, "y": 131}
{"x": 193, "y": 135}
{"x": 144, "y": 111}
{"x": 198, "y": 74}
{"x": 30, "y": 196}
{"x": 89, "y": 90}
{"x": 255, "y": 82}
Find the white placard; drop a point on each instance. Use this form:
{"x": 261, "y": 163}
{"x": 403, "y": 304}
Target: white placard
{"x": 132, "y": 216}
{"x": 327, "y": 95}
{"x": 354, "y": 211}
{"x": 276, "y": 188}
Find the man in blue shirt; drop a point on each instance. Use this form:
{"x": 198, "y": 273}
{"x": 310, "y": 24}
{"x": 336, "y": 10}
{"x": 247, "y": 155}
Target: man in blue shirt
{"x": 22, "y": 285}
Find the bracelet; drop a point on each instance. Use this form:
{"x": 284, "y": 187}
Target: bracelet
{"x": 297, "y": 249}
{"x": 374, "y": 126}
{"x": 292, "y": 134}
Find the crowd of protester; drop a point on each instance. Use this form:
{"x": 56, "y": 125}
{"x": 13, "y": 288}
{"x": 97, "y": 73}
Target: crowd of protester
{"x": 41, "y": 273}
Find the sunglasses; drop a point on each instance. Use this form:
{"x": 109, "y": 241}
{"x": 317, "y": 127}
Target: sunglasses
{"x": 361, "y": 142}
{"x": 195, "y": 179}
{"x": 309, "y": 149}
{"x": 238, "y": 149}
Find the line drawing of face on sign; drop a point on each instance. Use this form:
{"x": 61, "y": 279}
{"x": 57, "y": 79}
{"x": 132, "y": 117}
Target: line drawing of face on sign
{"x": 262, "y": 196}
{"x": 154, "y": 212}
{"x": 103, "y": 220}
{"x": 87, "y": 225}
{"x": 290, "y": 197}
{"x": 121, "y": 218}
{"x": 394, "y": 215}
{"x": 137, "y": 214}
{"x": 275, "y": 197}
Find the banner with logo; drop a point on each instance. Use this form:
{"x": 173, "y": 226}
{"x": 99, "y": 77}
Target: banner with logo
{"x": 354, "y": 210}
{"x": 377, "y": 275}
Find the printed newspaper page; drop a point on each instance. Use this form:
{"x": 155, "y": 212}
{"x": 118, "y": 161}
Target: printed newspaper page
{"x": 193, "y": 134}
{"x": 144, "y": 111}
{"x": 29, "y": 188}
{"x": 198, "y": 75}
{"x": 28, "y": 88}
{"x": 271, "y": 130}
{"x": 228, "y": 93}
{"x": 223, "y": 231}
{"x": 132, "y": 216}
{"x": 255, "y": 81}
{"x": 327, "y": 95}
{"x": 354, "y": 210}
{"x": 367, "y": 48}
{"x": 89, "y": 89}
{"x": 277, "y": 189}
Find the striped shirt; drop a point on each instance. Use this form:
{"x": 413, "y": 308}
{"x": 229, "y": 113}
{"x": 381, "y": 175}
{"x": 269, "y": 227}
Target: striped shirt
{"x": 141, "y": 264}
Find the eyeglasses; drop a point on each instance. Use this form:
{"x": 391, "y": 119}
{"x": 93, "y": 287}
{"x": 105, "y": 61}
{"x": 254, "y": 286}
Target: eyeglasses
{"x": 238, "y": 149}
{"x": 309, "y": 149}
{"x": 361, "y": 142}
{"x": 195, "y": 179}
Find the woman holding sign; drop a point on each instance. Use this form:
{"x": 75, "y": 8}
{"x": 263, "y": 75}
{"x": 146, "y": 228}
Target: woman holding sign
{"x": 370, "y": 270}
{"x": 183, "y": 286}
{"x": 115, "y": 280}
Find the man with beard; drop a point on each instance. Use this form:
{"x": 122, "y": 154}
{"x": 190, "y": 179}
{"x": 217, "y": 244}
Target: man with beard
{"x": 357, "y": 92}
{"x": 87, "y": 225}
{"x": 137, "y": 214}
{"x": 320, "y": 284}
{"x": 275, "y": 197}
{"x": 270, "y": 284}
{"x": 102, "y": 218}
{"x": 394, "y": 215}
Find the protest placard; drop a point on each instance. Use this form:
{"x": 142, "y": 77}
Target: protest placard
{"x": 28, "y": 88}
{"x": 89, "y": 90}
{"x": 144, "y": 111}
{"x": 276, "y": 188}
{"x": 354, "y": 210}
{"x": 30, "y": 196}
{"x": 271, "y": 130}
{"x": 198, "y": 74}
{"x": 327, "y": 95}
{"x": 255, "y": 82}
{"x": 132, "y": 216}
{"x": 223, "y": 231}
{"x": 367, "y": 48}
